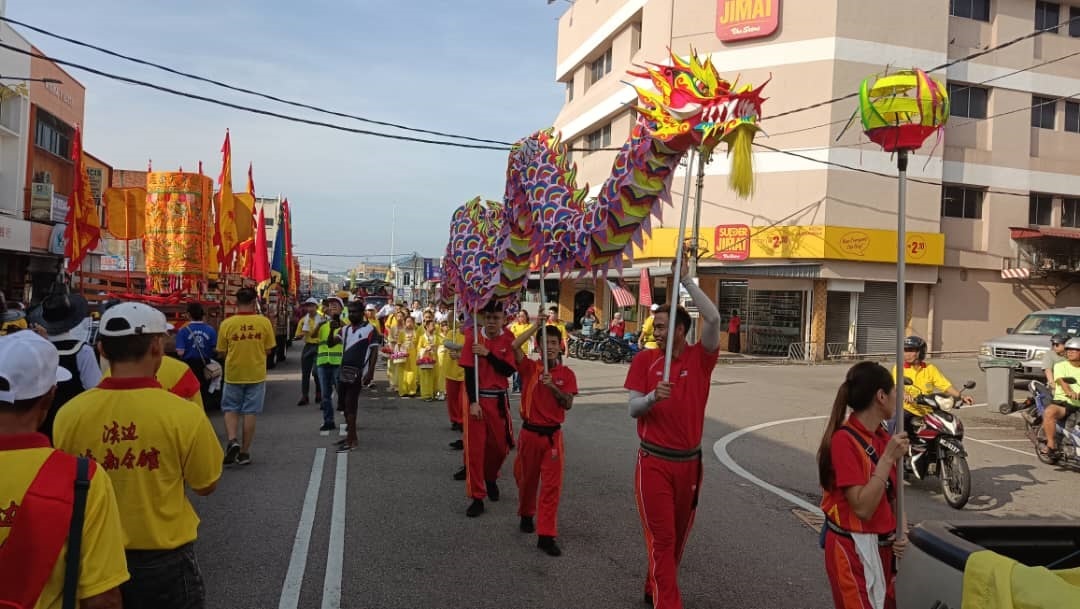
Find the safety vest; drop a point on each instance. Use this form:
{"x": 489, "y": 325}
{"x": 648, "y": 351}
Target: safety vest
{"x": 328, "y": 356}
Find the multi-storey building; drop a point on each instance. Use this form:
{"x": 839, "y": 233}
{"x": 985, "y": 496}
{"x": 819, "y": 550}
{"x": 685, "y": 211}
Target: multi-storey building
{"x": 993, "y": 204}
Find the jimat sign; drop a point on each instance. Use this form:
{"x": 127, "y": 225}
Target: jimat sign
{"x": 746, "y": 19}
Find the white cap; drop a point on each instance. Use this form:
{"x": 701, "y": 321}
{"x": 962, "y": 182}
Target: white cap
{"x": 133, "y": 319}
{"x": 654, "y": 308}
{"x": 313, "y": 301}
{"x": 369, "y": 307}
{"x": 29, "y": 366}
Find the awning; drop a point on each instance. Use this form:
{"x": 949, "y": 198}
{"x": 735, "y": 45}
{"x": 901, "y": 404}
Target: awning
{"x": 1035, "y": 232}
{"x": 622, "y": 296}
{"x": 787, "y": 271}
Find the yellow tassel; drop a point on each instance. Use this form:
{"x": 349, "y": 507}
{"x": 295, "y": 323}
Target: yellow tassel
{"x": 740, "y": 149}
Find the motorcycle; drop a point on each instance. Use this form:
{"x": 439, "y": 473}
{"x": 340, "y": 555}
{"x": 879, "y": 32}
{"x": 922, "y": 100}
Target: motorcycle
{"x": 937, "y": 448}
{"x": 1068, "y": 431}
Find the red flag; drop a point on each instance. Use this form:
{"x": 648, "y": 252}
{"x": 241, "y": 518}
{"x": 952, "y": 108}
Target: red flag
{"x": 260, "y": 266}
{"x": 645, "y": 289}
{"x": 83, "y": 230}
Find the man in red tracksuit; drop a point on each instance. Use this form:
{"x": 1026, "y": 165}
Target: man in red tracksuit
{"x": 545, "y": 398}
{"x": 489, "y": 431}
{"x": 670, "y": 417}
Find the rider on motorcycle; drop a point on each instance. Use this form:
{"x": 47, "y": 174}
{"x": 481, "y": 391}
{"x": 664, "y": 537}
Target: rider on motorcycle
{"x": 1055, "y": 355}
{"x": 925, "y": 379}
{"x": 1066, "y": 399}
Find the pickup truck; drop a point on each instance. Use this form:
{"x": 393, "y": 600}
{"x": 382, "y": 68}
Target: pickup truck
{"x": 1030, "y": 339}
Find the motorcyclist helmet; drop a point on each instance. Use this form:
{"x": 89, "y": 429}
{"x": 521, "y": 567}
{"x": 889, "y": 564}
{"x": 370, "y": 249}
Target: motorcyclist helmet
{"x": 1059, "y": 339}
{"x": 1073, "y": 344}
{"x": 914, "y": 343}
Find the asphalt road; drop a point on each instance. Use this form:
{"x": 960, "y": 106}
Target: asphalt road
{"x": 384, "y": 527}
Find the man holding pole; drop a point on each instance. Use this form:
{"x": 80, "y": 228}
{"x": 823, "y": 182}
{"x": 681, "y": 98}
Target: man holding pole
{"x": 488, "y": 359}
{"x": 669, "y": 390}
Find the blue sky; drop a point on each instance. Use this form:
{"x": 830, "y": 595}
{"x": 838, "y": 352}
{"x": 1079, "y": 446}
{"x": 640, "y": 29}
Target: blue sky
{"x": 477, "y": 67}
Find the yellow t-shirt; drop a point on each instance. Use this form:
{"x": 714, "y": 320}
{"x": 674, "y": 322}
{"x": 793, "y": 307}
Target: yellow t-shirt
{"x": 428, "y": 346}
{"x": 1065, "y": 369}
{"x": 307, "y": 327}
{"x": 151, "y": 443}
{"x": 925, "y": 378}
{"x": 245, "y": 340}
{"x": 103, "y": 565}
{"x": 517, "y": 329}
{"x": 450, "y": 368}
{"x": 175, "y": 377}
{"x": 647, "y": 333}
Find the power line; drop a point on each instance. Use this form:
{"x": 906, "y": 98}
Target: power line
{"x": 944, "y": 66}
{"x": 242, "y": 108}
{"x": 223, "y": 85}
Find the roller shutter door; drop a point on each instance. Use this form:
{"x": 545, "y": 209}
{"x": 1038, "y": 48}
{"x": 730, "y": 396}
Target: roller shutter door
{"x": 876, "y": 327}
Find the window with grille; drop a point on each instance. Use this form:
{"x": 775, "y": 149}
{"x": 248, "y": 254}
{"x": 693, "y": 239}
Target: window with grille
{"x": 601, "y": 138}
{"x": 1042, "y": 112}
{"x": 51, "y": 134}
{"x": 1047, "y": 15}
{"x": 1072, "y": 116}
{"x": 1040, "y": 208}
{"x": 961, "y": 202}
{"x": 967, "y": 101}
{"x": 970, "y": 9}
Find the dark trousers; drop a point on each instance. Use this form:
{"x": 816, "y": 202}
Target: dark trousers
{"x": 348, "y": 403}
{"x": 307, "y": 368}
{"x": 734, "y": 342}
{"x": 164, "y": 579}
{"x": 211, "y": 401}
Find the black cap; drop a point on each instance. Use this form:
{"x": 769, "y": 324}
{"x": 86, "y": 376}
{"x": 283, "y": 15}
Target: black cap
{"x": 493, "y": 306}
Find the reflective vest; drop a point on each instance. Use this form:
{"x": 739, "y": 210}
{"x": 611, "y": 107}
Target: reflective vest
{"x": 328, "y": 356}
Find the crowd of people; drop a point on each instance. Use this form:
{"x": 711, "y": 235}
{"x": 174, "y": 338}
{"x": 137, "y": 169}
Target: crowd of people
{"x": 105, "y": 432}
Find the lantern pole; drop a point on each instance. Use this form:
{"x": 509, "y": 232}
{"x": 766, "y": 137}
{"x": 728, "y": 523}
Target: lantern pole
{"x": 901, "y": 316}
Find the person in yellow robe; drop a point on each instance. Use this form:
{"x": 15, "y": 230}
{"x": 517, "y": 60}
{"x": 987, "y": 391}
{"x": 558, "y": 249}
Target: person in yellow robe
{"x": 440, "y": 359}
{"x": 520, "y": 325}
{"x": 427, "y": 346}
{"x": 408, "y": 339}
{"x": 394, "y": 324}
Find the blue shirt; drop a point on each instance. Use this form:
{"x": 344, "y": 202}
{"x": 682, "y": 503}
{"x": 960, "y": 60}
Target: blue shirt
{"x": 197, "y": 340}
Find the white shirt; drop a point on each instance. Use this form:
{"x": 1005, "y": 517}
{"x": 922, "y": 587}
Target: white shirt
{"x": 350, "y": 335}
{"x": 441, "y": 316}
{"x": 418, "y": 315}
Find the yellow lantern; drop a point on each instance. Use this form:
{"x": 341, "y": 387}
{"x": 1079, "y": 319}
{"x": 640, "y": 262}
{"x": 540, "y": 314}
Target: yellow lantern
{"x": 901, "y": 110}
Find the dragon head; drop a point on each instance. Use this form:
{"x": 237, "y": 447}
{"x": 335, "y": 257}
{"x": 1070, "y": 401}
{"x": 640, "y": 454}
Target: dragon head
{"x": 693, "y": 107}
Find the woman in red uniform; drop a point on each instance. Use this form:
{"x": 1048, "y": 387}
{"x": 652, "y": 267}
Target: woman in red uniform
{"x": 856, "y": 467}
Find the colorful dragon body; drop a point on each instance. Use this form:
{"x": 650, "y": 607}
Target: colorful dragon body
{"x": 544, "y": 219}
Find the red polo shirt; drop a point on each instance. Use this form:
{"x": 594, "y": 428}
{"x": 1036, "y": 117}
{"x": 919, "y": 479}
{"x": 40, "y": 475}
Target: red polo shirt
{"x": 853, "y": 467}
{"x": 503, "y": 348}
{"x": 676, "y": 422}
{"x": 538, "y": 404}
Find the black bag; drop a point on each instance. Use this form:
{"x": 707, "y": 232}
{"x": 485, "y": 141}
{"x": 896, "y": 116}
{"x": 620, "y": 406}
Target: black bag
{"x": 349, "y": 374}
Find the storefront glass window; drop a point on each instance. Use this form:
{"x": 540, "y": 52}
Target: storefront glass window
{"x": 774, "y": 321}
{"x": 732, "y": 297}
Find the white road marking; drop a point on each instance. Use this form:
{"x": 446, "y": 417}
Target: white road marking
{"x": 294, "y": 577}
{"x": 336, "y": 553}
{"x": 1008, "y": 440}
{"x": 720, "y": 449}
{"x": 1026, "y": 453}
{"x": 324, "y": 433}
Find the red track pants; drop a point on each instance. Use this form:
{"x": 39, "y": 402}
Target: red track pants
{"x": 487, "y": 442}
{"x": 845, "y": 572}
{"x": 539, "y": 466}
{"x": 456, "y": 400}
{"x": 667, "y": 493}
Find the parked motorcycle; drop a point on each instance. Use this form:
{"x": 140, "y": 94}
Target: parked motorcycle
{"x": 937, "y": 449}
{"x": 1068, "y": 431}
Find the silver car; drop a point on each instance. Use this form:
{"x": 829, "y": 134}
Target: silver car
{"x": 1030, "y": 340}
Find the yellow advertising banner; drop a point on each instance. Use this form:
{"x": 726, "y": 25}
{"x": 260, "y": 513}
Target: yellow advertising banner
{"x": 815, "y": 242}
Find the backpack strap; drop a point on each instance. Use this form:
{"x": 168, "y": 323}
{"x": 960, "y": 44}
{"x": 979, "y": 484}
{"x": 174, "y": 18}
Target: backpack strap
{"x": 37, "y": 534}
{"x": 75, "y": 531}
{"x": 871, "y": 453}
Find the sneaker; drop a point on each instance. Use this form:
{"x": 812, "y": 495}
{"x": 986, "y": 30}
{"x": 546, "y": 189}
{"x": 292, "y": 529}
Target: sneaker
{"x": 232, "y": 450}
{"x": 548, "y": 545}
{"x": 328, "y": 427}
{"x": 346, "y": 448}
{"x": 243, "y": 459}
{"x": 492, "y": 490}
{"x": 303, "y": 401}
{"x": 475, "y": 508}
{"x": 457, "y": 445}
{"x": 527, "y": 525}
{"x": 460, "y": 474}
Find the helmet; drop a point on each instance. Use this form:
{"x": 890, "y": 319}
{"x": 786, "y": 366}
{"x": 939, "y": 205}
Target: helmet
{"x": 1059, "y": 339}
{"x": 914, "y": 343}
{"x": 1073, "y": 343}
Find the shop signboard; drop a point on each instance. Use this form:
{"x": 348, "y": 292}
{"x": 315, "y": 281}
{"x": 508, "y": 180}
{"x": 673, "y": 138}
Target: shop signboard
{"x": 41, "y": 197}
{"x": 845, "y": 243}
{"x": 59, "y": 210}
{"x": 14, "y": 234}
{"x": 738, "y": 20}
{"x": 732, "y": 242}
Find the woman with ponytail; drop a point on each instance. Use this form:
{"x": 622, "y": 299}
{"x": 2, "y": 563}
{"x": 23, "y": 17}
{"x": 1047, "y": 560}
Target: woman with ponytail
{"x": 856, "y": 467}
